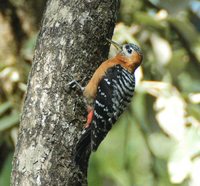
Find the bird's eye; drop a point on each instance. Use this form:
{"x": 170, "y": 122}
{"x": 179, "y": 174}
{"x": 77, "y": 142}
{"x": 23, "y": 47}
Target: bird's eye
{"x": 129, "y": 51}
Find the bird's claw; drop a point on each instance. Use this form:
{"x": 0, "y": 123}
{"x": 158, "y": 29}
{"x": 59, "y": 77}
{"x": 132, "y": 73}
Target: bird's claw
{"x": 74, "y": 83}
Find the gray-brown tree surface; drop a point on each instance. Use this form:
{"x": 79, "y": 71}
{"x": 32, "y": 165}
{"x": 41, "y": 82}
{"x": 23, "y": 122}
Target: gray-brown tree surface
{"x": 71, "y": 42}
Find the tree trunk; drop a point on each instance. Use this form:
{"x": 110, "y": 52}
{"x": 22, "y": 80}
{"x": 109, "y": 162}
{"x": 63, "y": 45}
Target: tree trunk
{"x": 71, "y": 43}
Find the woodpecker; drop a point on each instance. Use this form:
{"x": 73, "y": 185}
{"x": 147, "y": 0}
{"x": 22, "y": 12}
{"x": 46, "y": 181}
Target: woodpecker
{"x": 108, "y": 93}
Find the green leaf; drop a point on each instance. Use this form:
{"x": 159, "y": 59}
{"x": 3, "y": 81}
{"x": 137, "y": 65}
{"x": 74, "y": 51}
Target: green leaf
{"x": 194, "y": 110}
{"x": 148, "y": 20}
{"x": 186, "y": 29}
{"x": 160, "y": 145}
{"x": 9, "y": 121}
{"x": 28, "y": 47}
{"x": 173, "y": 7}
{"x": 6, "y": 171}
{"x": 4, "y": 107}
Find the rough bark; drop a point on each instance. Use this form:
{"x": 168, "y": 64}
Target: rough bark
{"x": 71, "y": 42}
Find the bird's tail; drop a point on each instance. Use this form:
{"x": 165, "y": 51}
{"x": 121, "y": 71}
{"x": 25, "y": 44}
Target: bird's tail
{"x": 83, "y": 150}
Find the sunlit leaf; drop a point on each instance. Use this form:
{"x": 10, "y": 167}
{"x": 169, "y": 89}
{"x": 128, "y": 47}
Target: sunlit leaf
{"x": 179, "y": 167}
{"x": 162, "y": 49}
{"x": 181, "y": 161}
{"x": 195, "y": 181}
{"x": 171, "y": 113}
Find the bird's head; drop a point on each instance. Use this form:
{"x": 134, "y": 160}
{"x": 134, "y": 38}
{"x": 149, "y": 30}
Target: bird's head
{"x": 129, "y": 54}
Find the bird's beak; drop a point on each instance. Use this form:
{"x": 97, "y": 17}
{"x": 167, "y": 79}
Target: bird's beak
{"x": 118, "y": 46}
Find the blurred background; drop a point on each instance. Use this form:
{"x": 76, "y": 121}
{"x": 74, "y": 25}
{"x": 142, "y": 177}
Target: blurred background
{"x": 156, "y": 142}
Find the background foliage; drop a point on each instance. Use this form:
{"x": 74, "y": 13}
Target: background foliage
{"x": 156, "y": 142}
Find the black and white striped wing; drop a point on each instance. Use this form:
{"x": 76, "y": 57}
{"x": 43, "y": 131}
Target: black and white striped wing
{"x": 114, "y": 93}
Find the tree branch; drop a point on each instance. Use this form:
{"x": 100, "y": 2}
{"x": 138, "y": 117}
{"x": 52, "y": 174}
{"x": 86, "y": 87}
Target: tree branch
{"x": 71, "y": 42}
